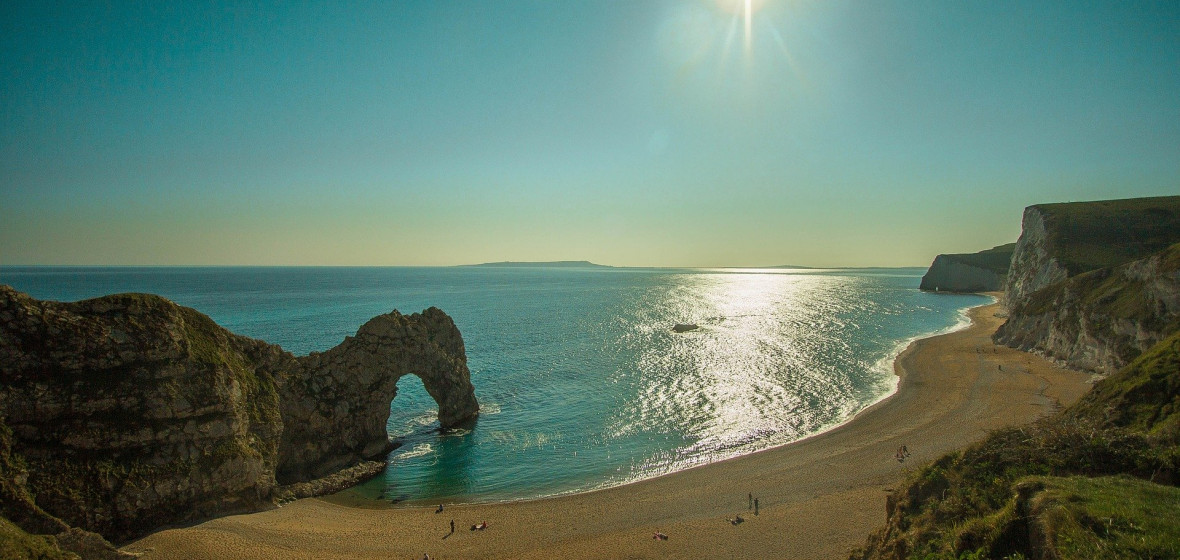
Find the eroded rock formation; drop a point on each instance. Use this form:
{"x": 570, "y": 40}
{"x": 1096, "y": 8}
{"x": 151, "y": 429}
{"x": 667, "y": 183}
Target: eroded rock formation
{"x": 329, "y": 385}
{"x": 984, "y": 271}
{"x": 1100, "y": 320}
{"x": 129, "y": 412}
{"x": 1094, "y": 283}
{"x": 1058, "y": 241}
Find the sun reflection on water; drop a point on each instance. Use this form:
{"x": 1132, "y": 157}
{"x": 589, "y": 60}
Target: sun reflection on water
{"x": 587, "y": 385}
{"x": 746, "y": 375}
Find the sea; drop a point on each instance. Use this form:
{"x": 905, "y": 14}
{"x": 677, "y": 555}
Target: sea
{"x": 581, "y": 380}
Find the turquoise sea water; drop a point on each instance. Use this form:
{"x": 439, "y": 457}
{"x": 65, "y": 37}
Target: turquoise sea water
{"x": 582, "y": 382}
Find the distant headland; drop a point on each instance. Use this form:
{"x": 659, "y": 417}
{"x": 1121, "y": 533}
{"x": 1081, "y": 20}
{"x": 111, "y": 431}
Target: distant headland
{"x": 541, "y": 264}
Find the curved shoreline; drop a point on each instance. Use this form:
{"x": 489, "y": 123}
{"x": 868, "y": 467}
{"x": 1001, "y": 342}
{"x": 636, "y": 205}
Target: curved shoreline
{"x": 963, "y": 322}
{"x": 819, "y": 496}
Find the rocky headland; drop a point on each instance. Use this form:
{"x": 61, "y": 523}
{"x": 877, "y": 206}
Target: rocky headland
{"x": 984, "y": 271}
{"x": 1094, "y": 284}
{"x": 125, "y": 413}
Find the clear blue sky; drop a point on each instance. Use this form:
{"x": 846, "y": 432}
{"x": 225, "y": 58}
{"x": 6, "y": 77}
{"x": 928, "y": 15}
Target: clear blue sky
{"x": 657, "y": 133}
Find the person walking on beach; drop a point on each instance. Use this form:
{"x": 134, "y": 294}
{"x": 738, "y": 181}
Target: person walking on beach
{"x": 452, "y": 526}
{"x": 755, "y": 506}
{"x": 751, "y": 498}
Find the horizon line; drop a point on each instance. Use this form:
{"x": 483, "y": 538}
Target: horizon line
{"x": 506, "y": 264}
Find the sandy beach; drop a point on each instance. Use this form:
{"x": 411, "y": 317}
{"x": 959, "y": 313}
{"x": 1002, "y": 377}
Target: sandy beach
{"x": 818, "y": 497}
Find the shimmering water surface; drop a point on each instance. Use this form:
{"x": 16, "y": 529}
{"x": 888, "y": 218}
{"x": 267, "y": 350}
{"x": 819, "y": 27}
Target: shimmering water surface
{"x": 583, "y": 384}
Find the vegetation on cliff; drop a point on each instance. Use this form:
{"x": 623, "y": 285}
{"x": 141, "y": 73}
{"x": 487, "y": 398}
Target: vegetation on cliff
{"x": 1085, "y": 236}
{"x": 1081, "y": 481}
{"x": 16, "y": 543}
{"x": 995, "y": 259}
{"x": 1100, "y": 320}
{"x": 1096, "y": 284}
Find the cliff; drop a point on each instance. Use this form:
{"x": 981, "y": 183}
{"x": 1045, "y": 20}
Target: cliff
{"x": 1093, "y": 283}
{"x": 1058, "y": 241}
{"x": 1102, "y": 319}
{"x": 1097, "y": 285}
{"x": 984, "y": 271}
{"x": 336, "y": 404}
{"x": 129, "y": 412}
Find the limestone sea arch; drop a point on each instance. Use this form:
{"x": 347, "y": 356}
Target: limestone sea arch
{"x": 383, "y": 350}
{"x": 129, "y": 412}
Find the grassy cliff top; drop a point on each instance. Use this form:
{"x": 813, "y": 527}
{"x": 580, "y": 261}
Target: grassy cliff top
{"x": 1086, "y": 236}
{"x": 997, "y": 259}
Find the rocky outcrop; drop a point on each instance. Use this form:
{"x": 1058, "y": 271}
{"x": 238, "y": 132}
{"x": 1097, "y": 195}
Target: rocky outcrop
{"x": 1093, "y": 283}
{"x": 1058, "y": 241}
{"x": 984, "y": 271}
{"x": 1103, "y": 319}
{"x": 356, "y": 381}
{"x": 1035, "y": 263}
{"x": 129, "y": 412}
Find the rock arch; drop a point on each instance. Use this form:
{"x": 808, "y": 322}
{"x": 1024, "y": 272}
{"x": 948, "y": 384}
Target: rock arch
{"x": 336, "y": 408}
{"x": 123, "y": 413}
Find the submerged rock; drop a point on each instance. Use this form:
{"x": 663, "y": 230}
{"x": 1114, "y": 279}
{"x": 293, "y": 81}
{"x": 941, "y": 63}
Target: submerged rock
{"x": 129, "y": 412}
{"x": 685, "y": 327}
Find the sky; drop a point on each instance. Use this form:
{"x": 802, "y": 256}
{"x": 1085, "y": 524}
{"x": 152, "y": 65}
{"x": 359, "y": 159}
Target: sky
{"x": 644, "y": 133}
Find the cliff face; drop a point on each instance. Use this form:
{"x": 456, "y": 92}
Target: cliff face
{"x": 975, "y": 272}
{"x": 1034, "y": 264}
{"x": 1093, "y": 283}
{"x": 1058, "y": 241}
{"x": 1097, "y": 285}
{"x": 1102, "y": 319}
{"x": 130, "y": 412}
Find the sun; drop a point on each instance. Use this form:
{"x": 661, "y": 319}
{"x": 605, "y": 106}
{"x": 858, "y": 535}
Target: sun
{"x": 741, "y": 7}
{"x": 746, "y": 10}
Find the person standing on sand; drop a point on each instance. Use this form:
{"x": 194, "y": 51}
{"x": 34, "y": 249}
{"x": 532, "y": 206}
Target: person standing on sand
{"x": 755, "y": 506}
{"x": 452, "y": 526}
{"x": 751, "y": 498}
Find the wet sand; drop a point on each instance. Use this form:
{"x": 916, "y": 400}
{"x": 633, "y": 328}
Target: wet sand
{"x": 818, "y": 497}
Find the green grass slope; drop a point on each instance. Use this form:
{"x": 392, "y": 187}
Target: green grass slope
{"x": 15, "y": 544}
{"x": 1086, "y": 236}
{"x": 1105, "y": 517}
{"x": 995, "y": 259}
{"x": 1145, "y": 397}
{"x": 992, "y": 499}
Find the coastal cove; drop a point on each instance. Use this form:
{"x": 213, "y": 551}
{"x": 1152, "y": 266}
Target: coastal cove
{"x": 819, "y": 496}
{"x": 760, "y": 279}
{"x": 558, "y": 355}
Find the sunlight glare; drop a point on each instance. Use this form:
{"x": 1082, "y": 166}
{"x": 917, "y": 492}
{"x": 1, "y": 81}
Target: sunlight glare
{"x": 745, "y": 9}
{"x": 749, "y": 17}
